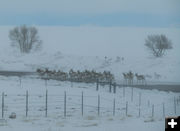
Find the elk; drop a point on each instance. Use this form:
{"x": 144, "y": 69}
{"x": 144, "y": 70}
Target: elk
{"x": 157, "y": 76}
{"x": 128, "y": 78}
{"x": 140, "y": 79}
{"x": 125, "y": 78}
{"x": 40, "y": 72}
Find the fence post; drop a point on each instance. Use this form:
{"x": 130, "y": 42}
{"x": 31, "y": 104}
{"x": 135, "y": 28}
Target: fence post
{"x": 177, "y": 101}
{"x": 46, "y": 102}
{"x": 20, "y": 81}
{"x": 65, "y": 104}
{"x": 71, "y": 81}
{"x": 153, "y": 110}
{"x": 46, "y": 82}
{"x": 26, "y": 103}
{"x": 148, "y": 103}
{"x": 126, "y": 108}
{"x": 139, "y": 99}
{"x": 163, "y": 110}
{"x": 114, "y": 107}
{"x": 110, "y": 84}
{"x": 3, "y": 105}
{"x": 139, "y": 111}
{"x": 174, "y": 105}
{"x": 123, "y": 91}
{"x": 139, "y": 104}
{"x": 98, "y": 105}
{"x": 114, "y": 88}
{"x": 132, "y": 94}
{"x": 97, "y": 85}
{"x": 82, "y": 108}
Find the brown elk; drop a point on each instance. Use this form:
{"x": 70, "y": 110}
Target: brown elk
{"x": 140, "y": 79}
{"x": 128, "y": 77}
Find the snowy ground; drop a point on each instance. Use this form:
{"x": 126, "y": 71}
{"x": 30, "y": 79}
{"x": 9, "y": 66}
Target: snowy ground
{"x": 55, "y": 121}
{"x": 85, "y": 47}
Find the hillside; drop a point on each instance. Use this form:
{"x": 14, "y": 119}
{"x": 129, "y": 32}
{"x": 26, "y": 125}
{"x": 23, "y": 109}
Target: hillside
{"x": 82, "y": 48}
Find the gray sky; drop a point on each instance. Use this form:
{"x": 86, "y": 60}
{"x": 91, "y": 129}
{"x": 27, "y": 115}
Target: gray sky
{"x": 90, "y": 6}
{"x": 94, "y": 12}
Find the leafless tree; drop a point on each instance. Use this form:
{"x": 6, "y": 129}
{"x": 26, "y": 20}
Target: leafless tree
{"x": 25, "y": 38}
{"x": 158, "y": 44}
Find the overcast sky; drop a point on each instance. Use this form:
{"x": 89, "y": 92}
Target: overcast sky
{"x": 143, "y": 13}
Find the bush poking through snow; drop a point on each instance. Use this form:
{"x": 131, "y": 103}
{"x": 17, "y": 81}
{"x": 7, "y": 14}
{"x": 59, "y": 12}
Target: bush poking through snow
{"x": 25, "y": 38}
{"x": 158, "y": 44}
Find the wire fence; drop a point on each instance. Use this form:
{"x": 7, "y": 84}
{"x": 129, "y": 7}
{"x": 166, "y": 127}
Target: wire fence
{"x": 72, "y": 104}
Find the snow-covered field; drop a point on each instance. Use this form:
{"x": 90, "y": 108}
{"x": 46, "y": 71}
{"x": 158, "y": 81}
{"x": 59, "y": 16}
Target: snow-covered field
{"x": 85, "y": 47}
{"x": 93, "y": 48}
{"x": 15, "y": 100}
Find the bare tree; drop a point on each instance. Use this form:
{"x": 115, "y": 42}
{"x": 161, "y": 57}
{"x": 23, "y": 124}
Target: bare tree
{"x": 158, "y": 44}
{"x": 25, "y": 38}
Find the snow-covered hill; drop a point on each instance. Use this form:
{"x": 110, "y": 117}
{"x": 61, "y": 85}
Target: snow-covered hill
{"x": 99, "y": 48}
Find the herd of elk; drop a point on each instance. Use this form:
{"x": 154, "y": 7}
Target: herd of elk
{"x": 89, "y": 76}
{"x": 48, "y": 74}
{"x": 76, "y": 76}
{"x": 128, "y": 77}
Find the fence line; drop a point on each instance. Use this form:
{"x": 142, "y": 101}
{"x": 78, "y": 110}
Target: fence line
{"x": 56, "y": 105}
